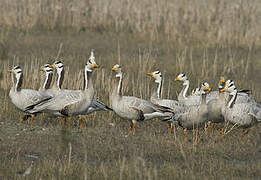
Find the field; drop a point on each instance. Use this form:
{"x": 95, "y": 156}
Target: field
{"x": 202, "y": 44}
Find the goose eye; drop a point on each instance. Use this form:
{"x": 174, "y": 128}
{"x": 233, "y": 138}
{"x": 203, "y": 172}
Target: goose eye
{"x": 90, "y": 61}
{"x": 18, "y": 72}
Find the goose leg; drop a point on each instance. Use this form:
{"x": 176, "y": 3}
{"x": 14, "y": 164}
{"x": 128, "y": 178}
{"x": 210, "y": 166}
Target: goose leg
{"x": 133, "y": 127}
{"x": 69, "y": 123}
{"x": 185, "y": 134}
{"x": 32, "y": 122}
{"x": 171, "y": 127}
{"x": 25, "y": 117}
{"x": 245, "y": 131}
{"x": 81, "y": 123}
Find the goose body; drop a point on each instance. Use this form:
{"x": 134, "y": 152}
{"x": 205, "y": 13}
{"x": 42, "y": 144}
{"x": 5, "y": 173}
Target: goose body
{"x": 244, "y": 114}
{"x": 194, "y": 115}
{"x": 133, "y": 108}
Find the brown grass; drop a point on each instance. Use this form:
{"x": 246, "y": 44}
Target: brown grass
{"x": 216, "y": 22}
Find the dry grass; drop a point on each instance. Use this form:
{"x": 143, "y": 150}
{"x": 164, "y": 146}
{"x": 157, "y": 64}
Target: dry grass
{"x": 204, "y": 39}
{"x": 209, "y": 22}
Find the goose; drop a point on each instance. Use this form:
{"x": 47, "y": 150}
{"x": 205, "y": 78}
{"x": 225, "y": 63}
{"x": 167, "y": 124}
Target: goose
{"x": 156, "y": 97}
{"x": 132, "y": 108}
{"x": 71, "y": 102}
{"x": 23, "y": 98}
{"x": 193, "y": 115}
{"x": 96, "y": 105}
{"x": 244, "y": 114}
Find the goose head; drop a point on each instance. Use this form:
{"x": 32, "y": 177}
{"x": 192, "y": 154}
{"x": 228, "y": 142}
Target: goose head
{"x": 47, "y": 69}
{"x": 221, "y": 83}
{"x": 196, "y": 92}
{"x": 181, "y": 77}
{"x": 230, "y": 87}
{"x": 17, "y": 71}
{"x": 156, "y": 75}
{"x": 58, "y": 65}
{"x": 205, "y": 87}
{"x": 117, "y": 68}
{"x": 91, "y": 64}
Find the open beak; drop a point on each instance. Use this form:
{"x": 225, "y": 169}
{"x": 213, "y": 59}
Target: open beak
{"x": 223, "y": 90}
{"x": 176, "y": 79}
{"x": 95, "y": 65}
{"x": 51, "y": 66}
{"x": 150, "y": 74}
{"x": 10, "y": 70}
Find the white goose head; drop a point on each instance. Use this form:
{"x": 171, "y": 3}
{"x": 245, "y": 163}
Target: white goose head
{"x": 221, "y": 83}
{"x": 58, "y": 65}
{"x": 17, "y": 77}
{"x": 47, "y": 69}
{"x": 117, "y": 68}
{"x": 196, "y": 92}
{"x": 181, "y": 77}
{"x": 91, "y": 64}
{"x": 205, "y": 87}
{"x": 156, "y": 75}
{"x": 230, "y": 87}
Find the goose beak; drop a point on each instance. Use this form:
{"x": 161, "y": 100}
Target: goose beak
{"x": 51, "y": 66}
{"x": 222, "y": 80}
{"x": 223, "y": 90}
{"x": 208, "y": 88}
{"x": 10, "y": 70}
{"x": 114, "y": 69}
{"x": 176, "y": 79}
{"x": 95, "y": 65}
{"x": 150, "y": 74}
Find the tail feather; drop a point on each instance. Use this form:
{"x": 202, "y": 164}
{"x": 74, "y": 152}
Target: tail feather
{"x": 100, "y": 105}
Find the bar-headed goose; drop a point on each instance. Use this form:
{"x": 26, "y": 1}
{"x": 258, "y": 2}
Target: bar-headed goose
{"x": 132, "y": 108}
{"x": 156, "y": 96}
{"x": 23, "y": 98}
{"x": 194, "y": 116}
{"x": 244, "y": 114}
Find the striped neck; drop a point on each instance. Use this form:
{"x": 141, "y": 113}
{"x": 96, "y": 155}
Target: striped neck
{"x": 60, "y": 79}
{"x": 87, "y": 80}
{"x": 118, "y": 84}
{"x": 185, "y": 89}
{"x": 232, "y": 100}
{"x": 48, "y": 80}
{"x": 17, "y": 81}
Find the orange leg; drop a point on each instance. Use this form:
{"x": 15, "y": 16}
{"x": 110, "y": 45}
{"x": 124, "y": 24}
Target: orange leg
{"x": 185, "y": 134}
{"x": 24, "y": 118}
{"x": 133, "y": 128}
{"x": 32, "y": 122}
{"x": 81, "y": 123}
{"x": 171, "y": 127}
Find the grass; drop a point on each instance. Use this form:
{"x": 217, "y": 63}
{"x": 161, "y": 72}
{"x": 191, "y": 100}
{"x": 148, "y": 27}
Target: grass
{"x": 141, "y": 42}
